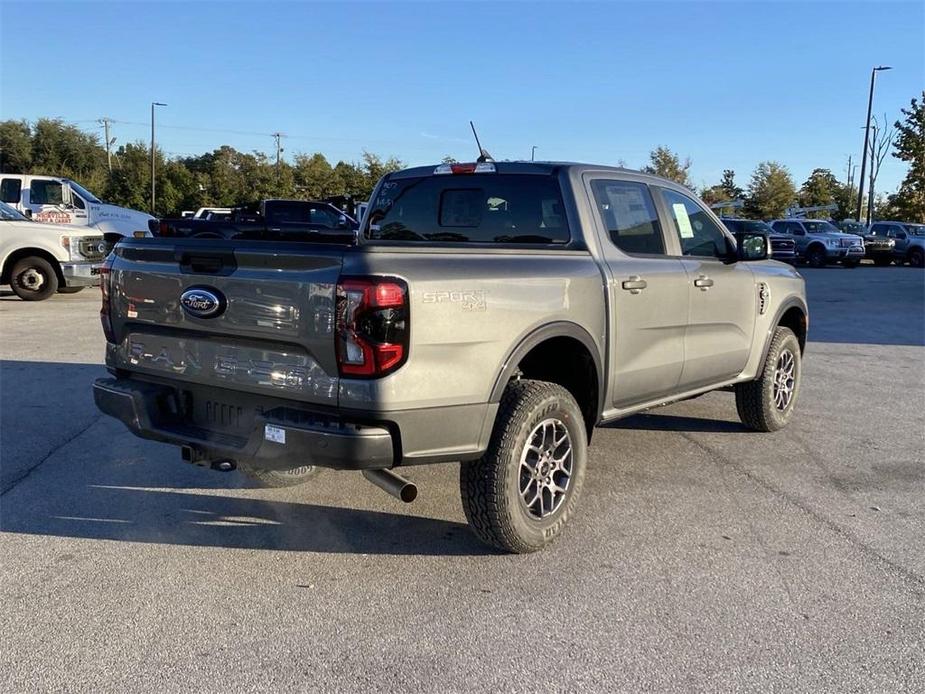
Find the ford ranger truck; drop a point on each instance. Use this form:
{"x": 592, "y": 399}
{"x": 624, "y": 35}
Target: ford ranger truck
{"x": 487, "y": 314}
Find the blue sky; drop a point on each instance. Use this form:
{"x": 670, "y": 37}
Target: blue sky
{"x": 728, "y": 84}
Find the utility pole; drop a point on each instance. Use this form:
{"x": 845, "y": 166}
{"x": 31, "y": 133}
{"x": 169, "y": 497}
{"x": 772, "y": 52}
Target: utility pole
{"x": 870, "y": 104}
{"x": 153, "y": 104}
{"x": 849, "y": 172}
{"x": 279, "y": 151}
{"x": 109, "y": 141}
{"x": 533, "y": 153}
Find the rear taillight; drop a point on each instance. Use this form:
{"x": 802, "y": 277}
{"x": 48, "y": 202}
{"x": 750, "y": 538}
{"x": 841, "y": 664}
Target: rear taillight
{"x": 372, "y": 326}
{"x": 105, "y": 293}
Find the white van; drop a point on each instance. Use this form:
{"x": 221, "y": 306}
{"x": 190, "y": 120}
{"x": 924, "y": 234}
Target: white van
{"x": 56, "y": 200}
{"x": 37, "y": 260}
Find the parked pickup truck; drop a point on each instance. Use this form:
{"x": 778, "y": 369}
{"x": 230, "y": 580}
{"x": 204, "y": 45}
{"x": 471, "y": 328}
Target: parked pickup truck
{"x": 783, "y": 247}
{"x": 487, "y": 313}
{"x": 37, "y": 260}
{"x": 907, "y": 241}
{"x": 56, "y": 200}
{"x": 281, "y": 220}
{"x": 819, "y": 242}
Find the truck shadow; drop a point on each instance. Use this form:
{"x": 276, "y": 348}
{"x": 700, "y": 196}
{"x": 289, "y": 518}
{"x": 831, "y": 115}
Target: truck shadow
{"x": 67, "y": 471}
{"x": 206, "y": 519}
{"x": 677, "y": 423}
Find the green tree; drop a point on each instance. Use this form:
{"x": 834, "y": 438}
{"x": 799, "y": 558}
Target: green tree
{"x": 374, "y": 169}
{"x": 819, "y": 189}
{"x": 665, "y": 163}
{"x": 770, "y": 191}
{"x": 315, "y": 177}
{"x": 908, "y": 203}
{"x": 15, "y": 146}
{"x": 59, "y": 149}
{"x": 728, "y": 184}
{"x": 351, "y": 180}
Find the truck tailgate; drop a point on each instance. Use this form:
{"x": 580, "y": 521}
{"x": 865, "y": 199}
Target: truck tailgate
{"x": 273, "y": 330}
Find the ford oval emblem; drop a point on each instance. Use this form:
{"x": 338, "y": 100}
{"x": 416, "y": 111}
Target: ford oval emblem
{"x": 202, "y": 302}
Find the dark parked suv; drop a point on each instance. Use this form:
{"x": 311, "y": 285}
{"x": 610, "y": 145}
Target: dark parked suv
{"x": 783, "y": 247}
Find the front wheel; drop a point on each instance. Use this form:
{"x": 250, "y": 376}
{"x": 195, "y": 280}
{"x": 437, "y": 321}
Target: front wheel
{"x": 815, "y": 256}
{"x": 766, "y": 404}
{"x": 519, "y": 495}
{"x": 280, "y": 478}
{"x": 33, "y": 279}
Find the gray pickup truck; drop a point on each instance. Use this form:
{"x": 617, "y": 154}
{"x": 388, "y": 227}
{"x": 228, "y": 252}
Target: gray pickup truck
{"x": 489, "y": 314}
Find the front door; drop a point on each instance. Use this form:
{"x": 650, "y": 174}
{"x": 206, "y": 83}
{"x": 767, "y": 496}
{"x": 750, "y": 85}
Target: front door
{"x": 723, "y": 295}
{"x": 646, "y": 291}
{"x": 49, "y": 203}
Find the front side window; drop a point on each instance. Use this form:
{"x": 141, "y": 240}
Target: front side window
{"x": 628, "y": 213}
{"x": 821, "y": 227}
{"x": 699, "y": 235}
{"x": 46, "y": 193}
{"x": 469, "y": 208}
{"x": 10, "y": 190}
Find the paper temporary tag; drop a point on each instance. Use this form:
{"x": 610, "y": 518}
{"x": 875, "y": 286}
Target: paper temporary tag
{"x": 274, "y": 434}
{"x": 684, "y": 222}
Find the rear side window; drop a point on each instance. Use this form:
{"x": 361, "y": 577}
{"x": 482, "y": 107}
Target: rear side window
{"x": 628, "y": 213}
{"x": 474, "y": 208}
{"x": 10, "y": 190}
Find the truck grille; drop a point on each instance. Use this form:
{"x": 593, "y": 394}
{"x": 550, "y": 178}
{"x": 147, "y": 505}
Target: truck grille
{"x": 782, "y": 245}
{"x": 847, "y": 243}
{"x": 91, "y": 247}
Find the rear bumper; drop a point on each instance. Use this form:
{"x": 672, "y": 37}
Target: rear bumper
{"x": 81, "y": 274}
{"x": 276, "y": 433}
{"x": 277, "y": 439}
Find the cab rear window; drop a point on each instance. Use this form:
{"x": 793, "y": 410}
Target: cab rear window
{"x": 475, "y": 208}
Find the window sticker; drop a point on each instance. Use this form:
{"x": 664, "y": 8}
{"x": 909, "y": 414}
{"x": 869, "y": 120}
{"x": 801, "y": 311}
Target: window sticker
{"x": 684, "y": 222}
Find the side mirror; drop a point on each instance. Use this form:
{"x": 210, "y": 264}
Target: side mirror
{"x": 342, "y": 222}
{"x": 752, "y": 246}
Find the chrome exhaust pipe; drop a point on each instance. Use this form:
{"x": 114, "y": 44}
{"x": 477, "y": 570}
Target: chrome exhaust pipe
{"x": 395, "y": 485}
{"x": 224, "y": 465}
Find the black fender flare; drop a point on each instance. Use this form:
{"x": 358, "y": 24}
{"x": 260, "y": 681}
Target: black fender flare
{"x": 539, "y": 335}
{"x": 786, "y": 305}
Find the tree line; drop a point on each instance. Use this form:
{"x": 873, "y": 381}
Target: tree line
{"x": 226, "y": 177}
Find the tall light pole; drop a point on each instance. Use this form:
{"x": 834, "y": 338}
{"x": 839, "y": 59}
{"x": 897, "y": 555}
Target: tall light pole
{"x": 533, "y": 153}
{"x": 870, "y": 105}
{"x": 153, "y": 104}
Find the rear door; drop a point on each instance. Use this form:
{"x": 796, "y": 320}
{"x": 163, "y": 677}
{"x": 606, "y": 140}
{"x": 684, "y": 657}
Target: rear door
{"x": 646, "y": 289}
{"x": 723, "y": 296}
{"x": 273, "y": 332}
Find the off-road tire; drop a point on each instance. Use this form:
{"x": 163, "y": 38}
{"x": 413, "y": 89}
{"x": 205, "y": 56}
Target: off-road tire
{"x": 755, "y": 400}
{"x": 26, "y": 271}
{"x": 70, "y": 290}
{"x": 917, "y": 257}
{"x": 816, "y": 256}
{"x": 280, "y": 478}
{"x": 490, "y": 486}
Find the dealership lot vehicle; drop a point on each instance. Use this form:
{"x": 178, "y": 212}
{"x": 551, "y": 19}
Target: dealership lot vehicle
{"x": 908, "y": 241}
{"x": 700, "y": 550}
{"x": 37, "y": 260}
{"x": 783, "y": 247}
{"x": 820, "y": 243}
{"x": 280, "y": 220}
{"x": 469, "y": 324}
{"x": 56, "y": 200}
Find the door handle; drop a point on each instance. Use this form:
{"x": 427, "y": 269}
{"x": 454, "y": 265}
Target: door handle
{"x": 634, "y": 284}
{"x": 703, "y": 282}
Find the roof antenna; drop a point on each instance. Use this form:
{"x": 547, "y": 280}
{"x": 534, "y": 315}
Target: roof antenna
{"x": 483, "y": 155}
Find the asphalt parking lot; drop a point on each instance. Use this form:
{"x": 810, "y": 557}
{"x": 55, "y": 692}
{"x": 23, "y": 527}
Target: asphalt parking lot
{"x": 704, "y": 557}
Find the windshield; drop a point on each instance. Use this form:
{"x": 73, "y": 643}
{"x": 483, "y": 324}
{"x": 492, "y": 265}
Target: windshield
{"x": 83, "y": 192}
{"x": 821, "y": 227}
{"x": 916, "y": 229}
{"x": 471, "y": 208}
{"x": 761, "y": 227}
{"x": 10, "y": 214}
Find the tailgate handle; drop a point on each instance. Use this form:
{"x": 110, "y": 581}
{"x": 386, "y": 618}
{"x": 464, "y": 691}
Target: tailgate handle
{"x": 212, "y": 264}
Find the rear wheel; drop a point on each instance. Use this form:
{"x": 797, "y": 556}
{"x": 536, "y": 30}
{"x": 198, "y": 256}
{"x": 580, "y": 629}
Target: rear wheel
{"x": 280, "y": 478}
{"x": 520, "y": 494}
{"x": 815, "y": 256}
{"x": 33, "y": 279}
{"x": 917, "y": 257}
{"x": 766, "y": 404}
